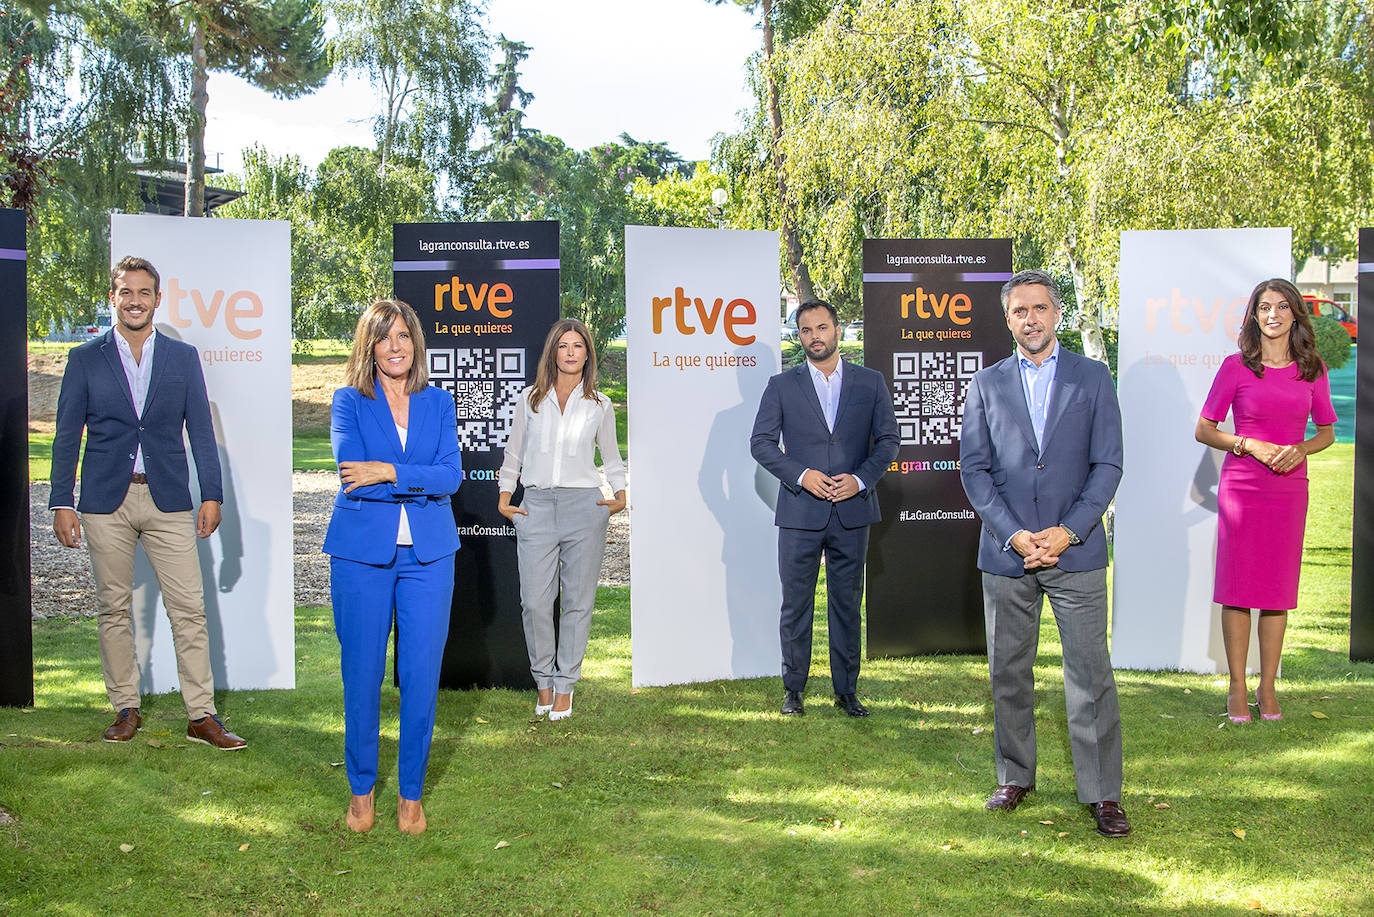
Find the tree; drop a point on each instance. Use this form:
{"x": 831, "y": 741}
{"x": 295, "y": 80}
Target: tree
{"x": 341, "y": 222}
{"x": 505, "y": 115}
{"x": 428, "y": 59}
{"x": 277, "y": 45}
{"x": 93, "y": 93}
{"x": 794, "y": 16}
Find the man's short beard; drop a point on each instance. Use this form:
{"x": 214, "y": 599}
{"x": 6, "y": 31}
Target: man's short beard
{"x": 823, "y": 357}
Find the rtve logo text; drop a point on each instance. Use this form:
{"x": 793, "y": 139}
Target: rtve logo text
{"x": 690, "y": 313}
{"x": 936, "y": 306}
{"x": 234, "y": 310}
{"x": 462, "y": 297}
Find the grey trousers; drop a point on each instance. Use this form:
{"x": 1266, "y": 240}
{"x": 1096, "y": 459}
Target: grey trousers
{"x": 1012, "y": 605}
{"x": 559, "y": 547}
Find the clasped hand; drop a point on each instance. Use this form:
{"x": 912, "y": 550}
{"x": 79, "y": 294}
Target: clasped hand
{"x": 1042, "y": 548}
{"x": 364, "y": 474}
{"x": 1280, "y": 459}
{"x": 824, "y": 487}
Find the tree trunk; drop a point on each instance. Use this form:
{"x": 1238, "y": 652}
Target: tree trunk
{"x": 195, "y": 134}
{"x": 801, "y": 277}
{"x": 1089, "y": 318}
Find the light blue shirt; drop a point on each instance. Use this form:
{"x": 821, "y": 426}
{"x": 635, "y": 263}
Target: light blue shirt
{"x": 828, "y": 394}
{"x": 1037, "y": 383}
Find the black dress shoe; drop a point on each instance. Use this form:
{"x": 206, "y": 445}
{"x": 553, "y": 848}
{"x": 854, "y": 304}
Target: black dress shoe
{"x": 849, "y": 703}
{"x": 1007, "y": 797}
{"x": 1111, "y": 819}
{"x": 792, "y": 704}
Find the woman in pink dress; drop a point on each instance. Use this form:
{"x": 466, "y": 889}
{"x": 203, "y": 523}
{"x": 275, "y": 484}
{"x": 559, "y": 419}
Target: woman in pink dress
{"x": 1271, "y": 388}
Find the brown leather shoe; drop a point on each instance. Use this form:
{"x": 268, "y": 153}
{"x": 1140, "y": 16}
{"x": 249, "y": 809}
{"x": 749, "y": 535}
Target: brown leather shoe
{"x": 210, "y": 731}
{"x": 1007, "y": 797}
{"x": 125, "y": 725}
{"x": 1111, "y": 819}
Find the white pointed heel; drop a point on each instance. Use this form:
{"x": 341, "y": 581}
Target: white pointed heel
{"x": 560, "y": 714}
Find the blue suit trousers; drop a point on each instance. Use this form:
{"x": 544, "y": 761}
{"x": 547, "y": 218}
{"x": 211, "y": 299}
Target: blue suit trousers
{"x": 365, "y": 597}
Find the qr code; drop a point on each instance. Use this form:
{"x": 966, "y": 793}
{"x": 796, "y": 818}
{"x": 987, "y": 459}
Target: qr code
{"x": 928, "y": 391}
{"x": 486, "y": 383}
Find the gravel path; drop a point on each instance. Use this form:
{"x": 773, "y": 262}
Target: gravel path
{"x": 62, "y": 584}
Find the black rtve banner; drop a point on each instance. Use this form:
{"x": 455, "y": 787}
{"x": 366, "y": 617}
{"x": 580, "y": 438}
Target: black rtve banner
{"x": 932, "y": 318}
{"x": 486, "y": 294}
{"x": 16, "y": 590}
{"x": 1362, "y": 548}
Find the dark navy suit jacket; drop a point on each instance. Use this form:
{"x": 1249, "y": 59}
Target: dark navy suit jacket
{"x": 95, "y": 395}
{"x": 428, "y": 470}
{"x": 863, "y": 443}
{"x": 1013, "y": 485}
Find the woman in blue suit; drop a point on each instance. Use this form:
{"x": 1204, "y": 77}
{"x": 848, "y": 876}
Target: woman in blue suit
{"x": 391, "y": 541}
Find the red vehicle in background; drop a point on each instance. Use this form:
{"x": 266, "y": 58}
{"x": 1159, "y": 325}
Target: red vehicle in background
{"x": 1332, "y": 310}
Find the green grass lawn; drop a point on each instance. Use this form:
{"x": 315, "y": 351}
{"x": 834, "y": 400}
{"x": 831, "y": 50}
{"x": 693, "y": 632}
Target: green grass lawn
{"x": 701, "y": 799}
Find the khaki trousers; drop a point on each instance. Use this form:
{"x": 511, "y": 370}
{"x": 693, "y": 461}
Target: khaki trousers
{"x": 169, "y": 540}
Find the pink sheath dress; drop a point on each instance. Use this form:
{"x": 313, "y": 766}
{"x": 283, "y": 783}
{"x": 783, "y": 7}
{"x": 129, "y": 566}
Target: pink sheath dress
{"x": 1261, "y": 515}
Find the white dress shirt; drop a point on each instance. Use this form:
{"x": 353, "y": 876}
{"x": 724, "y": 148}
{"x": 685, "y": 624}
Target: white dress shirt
{"x": 137, "y": 373}
{"x": 556, "y": 448}
{"x": 828, "y": 394}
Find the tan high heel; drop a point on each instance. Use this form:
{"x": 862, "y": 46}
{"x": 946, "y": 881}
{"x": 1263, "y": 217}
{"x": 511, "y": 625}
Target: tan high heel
{"x": 410, "y": 822}
{"x": 362, "y": 813}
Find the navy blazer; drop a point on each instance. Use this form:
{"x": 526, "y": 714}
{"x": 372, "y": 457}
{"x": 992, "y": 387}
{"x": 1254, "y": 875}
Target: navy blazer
{"x": 429, "y": 470}
{"x": 1013, "y": 485}
{"x": 863, "y": 443}
{"x": 96, "y": 396}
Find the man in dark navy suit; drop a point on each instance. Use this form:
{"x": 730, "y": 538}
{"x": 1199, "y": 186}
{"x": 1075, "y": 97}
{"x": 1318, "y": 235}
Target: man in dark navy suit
{"x": 826, "y": 431}
{"x": 1040, "y": 458}
{"x": 133, "y": 391}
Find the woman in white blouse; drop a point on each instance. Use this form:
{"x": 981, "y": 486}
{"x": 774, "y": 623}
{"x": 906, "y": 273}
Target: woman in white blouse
{"x": 560, "y": 525}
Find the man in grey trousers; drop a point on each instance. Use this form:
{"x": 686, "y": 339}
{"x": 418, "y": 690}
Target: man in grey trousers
{"x": 1040, "y": 459}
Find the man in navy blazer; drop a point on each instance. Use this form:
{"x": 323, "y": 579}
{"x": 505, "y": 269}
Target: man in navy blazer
{"x": 827, "y": 432}
{"x": 133, "y": 391}
{"x": 1040, "y": 458}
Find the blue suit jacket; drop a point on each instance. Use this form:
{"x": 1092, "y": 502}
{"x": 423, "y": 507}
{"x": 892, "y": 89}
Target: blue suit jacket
{"x": 95, "y": 395}
{"x": 429, "y": 469}
{"x": 863, "y": 443}
{"x": 1013, "y": 485}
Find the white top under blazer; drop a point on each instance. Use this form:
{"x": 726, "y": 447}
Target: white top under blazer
{"x": 553, "y": 448}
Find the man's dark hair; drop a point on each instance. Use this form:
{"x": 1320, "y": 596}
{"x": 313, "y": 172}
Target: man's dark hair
{"x": 818, "y": 304}
{"x": 1037, "y": 278}
{"x": 133, "y": 263}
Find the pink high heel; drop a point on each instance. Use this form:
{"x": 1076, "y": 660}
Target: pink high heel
{"x": 1271, "y": 717}
{"x": 1238, "y": 720}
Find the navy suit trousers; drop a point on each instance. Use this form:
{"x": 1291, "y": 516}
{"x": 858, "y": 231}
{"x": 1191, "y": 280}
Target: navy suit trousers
{"x": 799, "y": 556}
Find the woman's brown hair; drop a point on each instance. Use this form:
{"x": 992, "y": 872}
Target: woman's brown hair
{"x": 548, "y": 363}
{"x": 1302, "y": 340}
{"x": 373, "y": 327}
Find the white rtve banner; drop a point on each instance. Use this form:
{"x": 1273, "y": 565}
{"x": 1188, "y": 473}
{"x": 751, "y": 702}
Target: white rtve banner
{"x": 1183, "y": 297}
{"x": 702, "y": 321}
{"x": 226, "y": 288}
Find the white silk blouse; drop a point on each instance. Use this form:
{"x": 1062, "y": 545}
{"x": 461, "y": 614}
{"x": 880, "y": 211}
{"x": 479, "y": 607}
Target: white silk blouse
{"x": 553, "y": 448}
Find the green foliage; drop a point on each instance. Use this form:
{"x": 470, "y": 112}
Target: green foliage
{"x": 277, "y": 45}
{"x": 1072, "y": 339}
{"x": 341, "y": 218}
{"x": 591, "y": 194}
{"x": 1333, "y": 341}
{"x": 1059, "y": 126}
{"x": 678, "y": 200}
{"x": 428, "y": 59}
{"x": 95, "y": 93}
